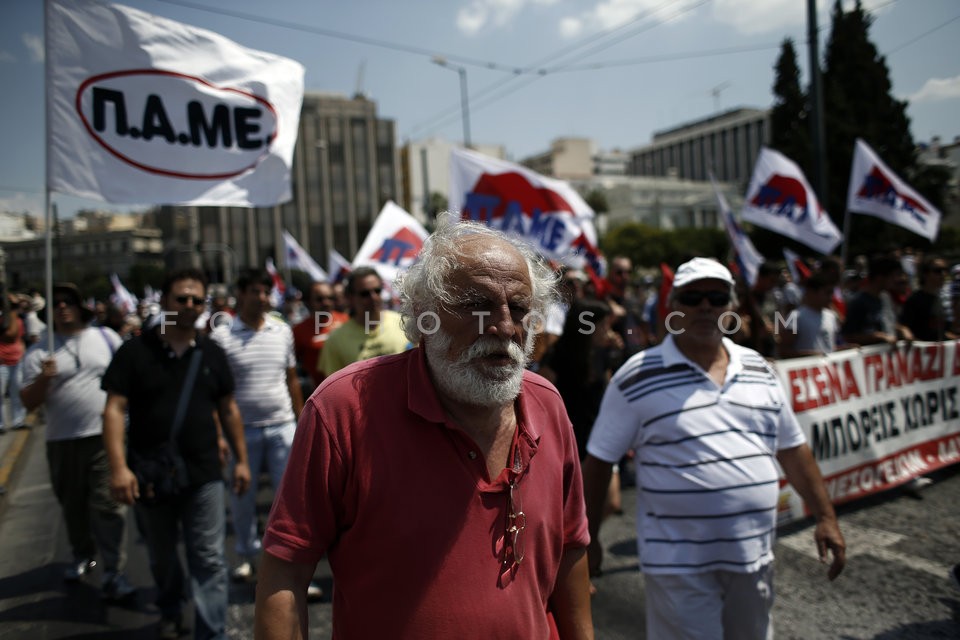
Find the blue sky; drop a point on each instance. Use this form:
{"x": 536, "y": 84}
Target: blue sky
{"x": 612, "y": 70}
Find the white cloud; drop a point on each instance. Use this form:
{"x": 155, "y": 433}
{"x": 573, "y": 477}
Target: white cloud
{"x": 750, "y": 17}
{"x": 498, "y": 13}
{"x": 571, "y": 27}
{"x": 937, "y": 89}
{"x": 22, "y": 203}
{"x": 34, "y": 45}
{"x": 608, "y": 14}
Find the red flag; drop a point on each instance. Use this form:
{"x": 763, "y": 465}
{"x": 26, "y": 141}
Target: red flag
{"x": 666, "y": 284}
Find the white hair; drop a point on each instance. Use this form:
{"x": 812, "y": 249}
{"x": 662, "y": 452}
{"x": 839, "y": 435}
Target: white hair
{"x": 424, "y": 287}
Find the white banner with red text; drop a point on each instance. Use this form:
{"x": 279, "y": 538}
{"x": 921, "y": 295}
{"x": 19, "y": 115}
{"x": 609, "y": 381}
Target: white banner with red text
{"x": 875, "y": 417}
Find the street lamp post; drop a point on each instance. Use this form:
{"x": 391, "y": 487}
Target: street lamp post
{"x": 464, "y": 101}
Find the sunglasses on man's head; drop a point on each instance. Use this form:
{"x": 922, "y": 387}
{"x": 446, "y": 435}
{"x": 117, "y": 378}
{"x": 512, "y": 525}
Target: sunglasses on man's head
{"x": 367, "y": 293}
{"x": 196, "y": 300}
{"x": 694, "y": 298}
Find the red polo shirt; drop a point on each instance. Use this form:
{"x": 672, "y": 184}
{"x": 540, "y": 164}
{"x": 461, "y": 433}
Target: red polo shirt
{"x": 399, "y": 499}
{"x": 308, "y": 340}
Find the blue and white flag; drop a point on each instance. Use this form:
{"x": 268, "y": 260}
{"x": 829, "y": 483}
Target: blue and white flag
{"x": 298, "y": 258}
{"x": 748, "y": 258}
{"x": 877, "y": 191}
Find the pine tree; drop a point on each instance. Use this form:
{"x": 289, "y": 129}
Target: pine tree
{"x": 858, "y": 103}
{"x": 789, "y": 117}
{"x": 790, "y": 135}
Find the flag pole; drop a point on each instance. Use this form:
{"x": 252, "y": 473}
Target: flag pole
{"x": 846, "y": 238}
{"x": 48, "y": 218}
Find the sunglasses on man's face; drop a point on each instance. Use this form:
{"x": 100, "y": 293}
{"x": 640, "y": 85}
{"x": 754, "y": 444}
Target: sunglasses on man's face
{"x": 196, "y": 300}
{"x": 368, "y": 293}
{"x": 694, "y": 298}
{"x": 59, "y": 301}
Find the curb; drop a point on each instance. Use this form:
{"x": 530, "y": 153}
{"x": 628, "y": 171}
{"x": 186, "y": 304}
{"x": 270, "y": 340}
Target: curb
{"x": 12, "y": 456}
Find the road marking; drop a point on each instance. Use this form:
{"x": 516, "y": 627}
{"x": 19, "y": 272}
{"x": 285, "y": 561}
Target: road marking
{"x": 10, "y": 458}
{"x": 867, "y": 542}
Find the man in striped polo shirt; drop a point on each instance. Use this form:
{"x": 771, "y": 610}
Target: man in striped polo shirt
{"x": 259, "y": 348}
{"x": 708, "y": 421}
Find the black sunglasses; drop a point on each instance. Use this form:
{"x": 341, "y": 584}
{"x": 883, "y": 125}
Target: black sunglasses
{"x": 59, "y": 301}
{"x": 196, "y": 300}
{"x": 694, "y": 298}
{"x": 367, "y": 293}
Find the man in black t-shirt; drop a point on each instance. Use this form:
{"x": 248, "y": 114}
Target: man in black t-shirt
{"x": 145, "y": 378}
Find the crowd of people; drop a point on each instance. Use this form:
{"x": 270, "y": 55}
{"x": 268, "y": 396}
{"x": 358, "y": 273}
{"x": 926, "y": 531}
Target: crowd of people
{"x": 431, "y": 434}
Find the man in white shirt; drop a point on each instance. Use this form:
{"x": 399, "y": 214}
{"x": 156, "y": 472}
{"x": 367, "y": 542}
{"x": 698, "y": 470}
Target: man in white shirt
{"x": 259, "y": 348}
{"x": 709, "y": 422}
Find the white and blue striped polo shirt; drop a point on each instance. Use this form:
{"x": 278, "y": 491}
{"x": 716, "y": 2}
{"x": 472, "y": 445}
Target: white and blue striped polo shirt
{"x": 707, "y": 477}
{"x": 259, "y": 361}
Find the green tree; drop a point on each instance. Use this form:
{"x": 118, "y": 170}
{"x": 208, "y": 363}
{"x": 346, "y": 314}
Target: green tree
{"x": 648, "y": 247}
{"x": 790, "y": 135}
{"x": 789, "y": 117}
{"x": 597, "y": 199}
{"x": 858, "y": 103}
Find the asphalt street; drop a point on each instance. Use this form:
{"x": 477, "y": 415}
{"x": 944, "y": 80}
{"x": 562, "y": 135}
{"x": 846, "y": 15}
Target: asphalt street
{"x": 895, "y": 585}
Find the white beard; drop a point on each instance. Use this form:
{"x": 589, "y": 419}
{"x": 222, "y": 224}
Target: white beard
{"x": 468, "y": 379}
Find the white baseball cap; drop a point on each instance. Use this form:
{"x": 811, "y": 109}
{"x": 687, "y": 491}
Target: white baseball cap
{"x": 701, "y": 269}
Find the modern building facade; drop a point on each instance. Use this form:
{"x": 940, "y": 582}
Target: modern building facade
{"x": 567, "y": 159}
{"x": 725, "y": 145}
{"x": 345, "y": 169}
{"x": 660, "y": 202}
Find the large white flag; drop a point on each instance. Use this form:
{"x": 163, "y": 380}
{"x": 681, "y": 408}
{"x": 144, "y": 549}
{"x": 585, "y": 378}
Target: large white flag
{"x": 298, "y": 258}
{"x": 877, "y": 191}
{"x": 748, "y": 258}
{"x": 393, "y": 244}
{"x": 546, "y": 212}
{"x": 780, "y": 199}
{"x": 142, "y": 109}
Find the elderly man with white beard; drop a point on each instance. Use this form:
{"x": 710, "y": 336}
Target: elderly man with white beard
{"x": 443, "y": 483}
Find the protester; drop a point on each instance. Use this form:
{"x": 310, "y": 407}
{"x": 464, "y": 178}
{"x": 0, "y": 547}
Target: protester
{"x": 871, "y": 318}
{"x": 813, "y": 328}
{"x": 627, "y": 310}
{"x": 708, "y": 421}
{"x": 148, "y": 377}
{"x": 443, "y": 482}
{"x": 30, "y": 305}
{"x": 68, "y": 385}
{"x": 759, "y": 308}
{"x": 12, "y": 348}
{"x": 259, "y": 349}
{"x": 923, "y": 313}
{"x": 311, "y": 334}
{"x": 371, "y": 330}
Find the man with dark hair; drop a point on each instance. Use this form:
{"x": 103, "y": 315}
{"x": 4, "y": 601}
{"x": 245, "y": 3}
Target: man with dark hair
{"x": 442, "y": 482}
{"x": 371, "y": 330}
{"x": 871, "y": 318}
{"x": 68, "y": 385}
{"x": 813, "y": 328}
{"x": 148, "y": 376}
{"x": 924, "y": 312}
{"x": 259, "y": 348}
{"x": 310, "y": 335}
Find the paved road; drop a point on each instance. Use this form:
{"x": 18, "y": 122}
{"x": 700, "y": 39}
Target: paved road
{"x": 895, "y": 585}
